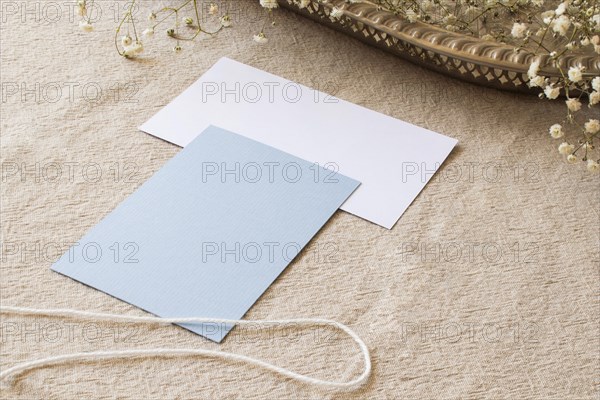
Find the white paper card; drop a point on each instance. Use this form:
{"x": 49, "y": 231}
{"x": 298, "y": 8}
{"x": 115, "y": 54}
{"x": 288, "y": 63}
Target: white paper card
{"x": 392, "y": 159}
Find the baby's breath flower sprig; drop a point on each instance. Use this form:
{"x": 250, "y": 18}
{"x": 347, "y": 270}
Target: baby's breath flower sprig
{"x": 127, "y": 39}
{"x": 576, "y": 89}
{"x": 269, "y": 6}
{"x": 83, "y": 7}
{"x": 190, "y": 22}
{"x": 165, "y": 14}
{"x": 130, "y": 47}
{"x": 534, "y": 22}
{"x": 130, "y": 44}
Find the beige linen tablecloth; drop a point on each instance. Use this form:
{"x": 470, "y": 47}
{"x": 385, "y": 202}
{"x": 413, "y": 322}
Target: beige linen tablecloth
{"x": 486, "y": 288}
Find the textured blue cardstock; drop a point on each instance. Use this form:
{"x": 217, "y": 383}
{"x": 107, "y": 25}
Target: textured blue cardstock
{"x": 210, "y": 231}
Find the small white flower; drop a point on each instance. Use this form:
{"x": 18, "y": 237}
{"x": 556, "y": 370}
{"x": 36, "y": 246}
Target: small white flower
{"x": 533, "y": 70}
{"x": 585, "y": 41}
{"x": 572, "y": 159}
{"x": 149, "y": 32}
{"x": 126, "y": 41}
{"x": 565, "y": 148}
{"x": 596, "y": 83}
{"x": 260, "y": 38}
{"x": 270, "y": 4}
{"x": 213, "y": 9}
{"x": 562, "y": 7}
{"x": 226, "y": 21}
{"x": 551, "y": 92}
{"x": 336, "y": 13}
{"x": 129, "y": 51}
{"x": 594, "y": 98}
{"x": 537, "y": 81}
{"x": 177, "y": 49}
{"x": 547, "y": 16}
{"x": 138, "y": 47}
{"x": 573, "y": 105}
{"x": 86, "y": 26}
{"x": 133, "y": 49}
{"x": 575, "y": 74}
{"x": 596, "y": 19}
{"x": 592, "y": 126}
{"x": 561, "y": 25}
{"x": 556, "y": 131}
{"x": 593, "y": 166}
{"x": 518, "y": 30}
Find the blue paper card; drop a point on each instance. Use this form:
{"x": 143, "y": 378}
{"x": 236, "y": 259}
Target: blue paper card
{"x": 210, "y": 231}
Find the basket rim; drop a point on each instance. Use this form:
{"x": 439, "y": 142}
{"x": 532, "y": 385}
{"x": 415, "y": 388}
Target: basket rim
{"x": 466, "y": 48}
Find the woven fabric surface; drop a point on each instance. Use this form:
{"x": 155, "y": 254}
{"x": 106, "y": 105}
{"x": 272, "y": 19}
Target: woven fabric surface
{"x": 487, "y": 287}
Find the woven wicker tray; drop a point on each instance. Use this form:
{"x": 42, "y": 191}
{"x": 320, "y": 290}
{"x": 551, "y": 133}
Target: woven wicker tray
{"x": 465, "y": 57}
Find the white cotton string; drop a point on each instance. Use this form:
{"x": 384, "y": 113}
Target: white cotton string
{"x": 166, "y": 352}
